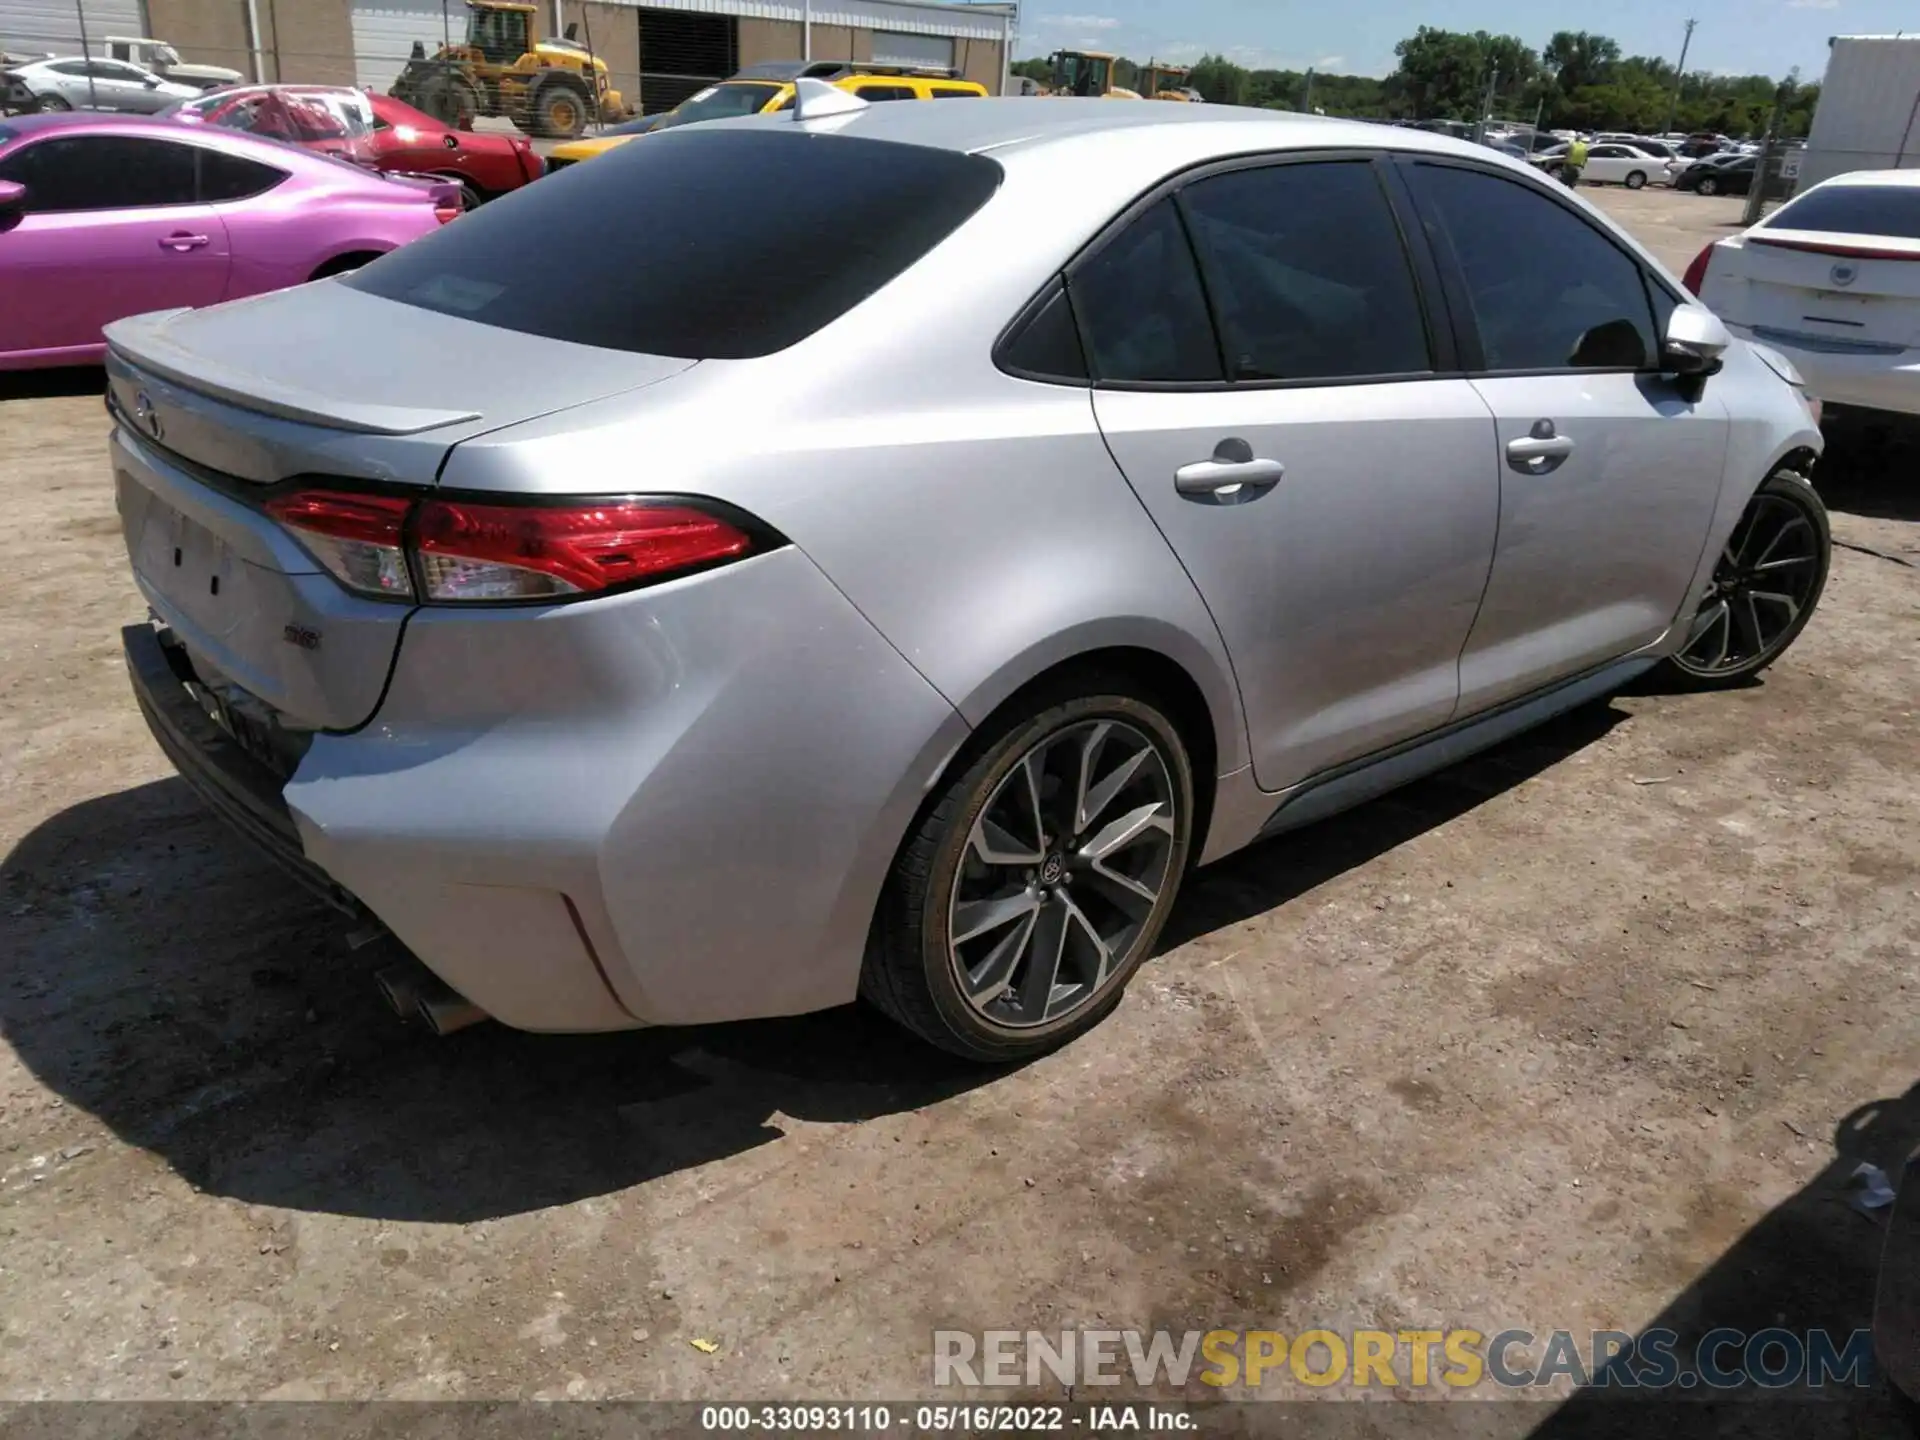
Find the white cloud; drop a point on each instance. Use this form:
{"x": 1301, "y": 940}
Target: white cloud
{"x": 1329, "y": 62}
{"x": 1079, "y": 22}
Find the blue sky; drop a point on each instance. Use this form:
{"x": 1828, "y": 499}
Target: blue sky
{"x": 1357, "y": 36}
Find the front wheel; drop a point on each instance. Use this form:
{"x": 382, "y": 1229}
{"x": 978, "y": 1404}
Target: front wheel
{"x": 559, "y": 112}
{"x": 1764, "y": 588}
{"x": 53, "y": 104}
{"x": 1038, "y": 881}
{"x": 1636, "y": 180}
{"x": 1709, "y": 186}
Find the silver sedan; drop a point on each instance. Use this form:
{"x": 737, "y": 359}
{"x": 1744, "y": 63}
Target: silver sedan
{"x": 900, "y": 543}
{"x": 79, "y": 84}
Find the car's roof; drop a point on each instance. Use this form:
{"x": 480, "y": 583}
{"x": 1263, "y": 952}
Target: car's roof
{"x": 1903, "y": 179}
{"x": 1030, "y": 122}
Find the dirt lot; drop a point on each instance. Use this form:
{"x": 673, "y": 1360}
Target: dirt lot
{"x": 1568, "y": 1037}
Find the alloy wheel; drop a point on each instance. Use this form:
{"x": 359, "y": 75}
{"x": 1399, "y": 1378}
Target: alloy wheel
{"x": 1766, "y": 577}
{"x": 1062, "y": 871}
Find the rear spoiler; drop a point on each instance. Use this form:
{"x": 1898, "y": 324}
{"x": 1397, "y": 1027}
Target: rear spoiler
{"x": 143, "y": 342}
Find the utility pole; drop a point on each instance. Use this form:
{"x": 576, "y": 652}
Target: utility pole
{"x": 1306, "y": 105}
{"x": 1486, "y": 106}
{"x": 1679, "y": 76}
{"x": 86, "y": 54}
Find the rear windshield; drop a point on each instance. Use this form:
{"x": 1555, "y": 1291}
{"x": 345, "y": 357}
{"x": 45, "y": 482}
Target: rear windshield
{"x": 1892, "y": 210}
{"x": 704, "y": 244}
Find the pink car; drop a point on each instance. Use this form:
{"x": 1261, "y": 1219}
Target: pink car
{"x": 107, "y": 216}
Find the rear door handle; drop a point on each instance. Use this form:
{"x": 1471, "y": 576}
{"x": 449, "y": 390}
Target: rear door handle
{"x": 183, "y": 242}
{"x": 1232, "y": 477}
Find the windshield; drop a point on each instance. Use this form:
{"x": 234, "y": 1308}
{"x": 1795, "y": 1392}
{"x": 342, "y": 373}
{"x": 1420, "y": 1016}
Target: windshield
{"x": 1082, "y": 75}
{"x": 1891, "y": 210}
{"x": 298, "y": 116}
{"x": 720, "y": 102}
{"x": 732, "y": 242}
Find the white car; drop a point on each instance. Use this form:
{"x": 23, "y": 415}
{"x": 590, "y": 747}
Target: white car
{"x": 1832, "y": 280}
{"x": 78, "y": 84}
{"x": 1612, "y": 164}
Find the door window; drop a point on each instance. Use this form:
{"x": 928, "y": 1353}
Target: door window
{"x": 1140, "y": 305}
{"x": 102, "y": 172}
{"x": 887, "y": 92}
{"x": 1547, "y": 291}
{"x": 1307, "y": 273}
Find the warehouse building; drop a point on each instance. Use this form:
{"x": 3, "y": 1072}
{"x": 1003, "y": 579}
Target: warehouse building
{"x": 658, "y": 53}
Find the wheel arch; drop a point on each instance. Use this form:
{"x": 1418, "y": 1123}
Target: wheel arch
{"x": 348, "y": 257}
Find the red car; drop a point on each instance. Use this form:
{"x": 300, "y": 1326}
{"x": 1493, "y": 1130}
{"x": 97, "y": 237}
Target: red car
{"x": 373, "y": 130}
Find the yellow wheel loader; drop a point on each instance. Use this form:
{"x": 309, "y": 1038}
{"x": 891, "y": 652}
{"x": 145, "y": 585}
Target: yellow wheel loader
{"x": 547, "y": 87}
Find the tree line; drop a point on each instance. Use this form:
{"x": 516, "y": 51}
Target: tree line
{"x": 1577, "y": 81}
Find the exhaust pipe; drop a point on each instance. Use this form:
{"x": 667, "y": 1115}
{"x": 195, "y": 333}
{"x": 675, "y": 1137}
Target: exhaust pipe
{"x": 401, "y": 986}
{"x": 446, "y": 1010}
{"x": 417, "y": 995}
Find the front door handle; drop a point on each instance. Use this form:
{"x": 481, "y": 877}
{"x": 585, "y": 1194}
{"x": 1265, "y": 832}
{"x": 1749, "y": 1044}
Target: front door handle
{"x": 183, "y": 242}
{"x": 1539, "y": 452}
{"x": 1232, "y": 477}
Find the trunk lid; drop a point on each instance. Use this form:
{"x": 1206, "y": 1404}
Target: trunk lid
{"x": 328, "y": 384}
{"x": 1842, "y": 293}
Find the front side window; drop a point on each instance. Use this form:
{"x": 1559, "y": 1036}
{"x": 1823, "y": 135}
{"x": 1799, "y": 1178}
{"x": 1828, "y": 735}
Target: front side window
{"x": 734, "y": 243}
{"x": 102, "y": 172}
{"x": 1547, "y": 290}
{"x": 1141, "y": 308}
{"x": 1307, "y": 273}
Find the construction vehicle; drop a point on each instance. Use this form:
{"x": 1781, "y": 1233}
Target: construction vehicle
{"x": 1086, "y": 72}
{"x": 1167, "y": 82}
{"x": 549, "y": 88}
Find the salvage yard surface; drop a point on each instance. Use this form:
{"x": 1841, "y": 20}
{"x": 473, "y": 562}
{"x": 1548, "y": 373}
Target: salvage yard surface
{"x": 1583, "y": 1034}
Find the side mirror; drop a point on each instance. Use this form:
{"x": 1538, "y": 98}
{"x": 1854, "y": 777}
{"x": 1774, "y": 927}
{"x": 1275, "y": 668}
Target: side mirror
{"x": 13, "y": 200}
{"x": 1692, "y": 348}
{"x": 151, "y": 83}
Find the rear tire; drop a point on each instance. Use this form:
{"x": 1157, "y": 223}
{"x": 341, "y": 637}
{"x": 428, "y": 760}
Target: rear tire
{"x": 1765, "y": 588}
{"x": 1636, "y": 180}
{"x": 450, "y": 100}
{"x": 1060, "y": 848}
{"x": 53, "y": 105}
{"x": 1709, "y": 186}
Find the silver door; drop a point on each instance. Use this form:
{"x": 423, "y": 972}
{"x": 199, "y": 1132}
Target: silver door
{"x": 1609, "y": 475}
{"x": 1333, "y": 501}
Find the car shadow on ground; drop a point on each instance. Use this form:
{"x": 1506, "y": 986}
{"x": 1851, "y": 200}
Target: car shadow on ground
{"x": 1808, "y": 1265}
{"x": 49, "y": 384}
{"x": 1871, "y": 467}
{"x": 157, "y": 974}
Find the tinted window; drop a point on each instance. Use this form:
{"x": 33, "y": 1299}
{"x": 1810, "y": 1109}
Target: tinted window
{"x": 1307, "y": 273}
{"x": 69, "y": 67}
{"x": 1047, "y": 344}
{"x": 1853, "y": 210}
{"x": 1140, "y": 305}
{"x": 719, "y": 102}
{"x": 102, "y": 172}
{"x": 887, "y": 92}
{"x": 724, "y": 243}
{"x": 226, "y": 177}
{"x": 1547, "y": 290}
{"x": 941, "y": 93}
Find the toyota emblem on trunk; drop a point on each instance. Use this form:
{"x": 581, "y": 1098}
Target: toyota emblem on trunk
{"x": 146, "y": 416}
{"x": 1844, "y": 274}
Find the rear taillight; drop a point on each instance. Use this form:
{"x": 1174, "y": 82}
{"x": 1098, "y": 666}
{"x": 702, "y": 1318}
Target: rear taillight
{"x": 462, "y": 552}
{"x": 444, "y": 213}
{"x": 1696, "y": 275}
{"x": 357, "y": 537}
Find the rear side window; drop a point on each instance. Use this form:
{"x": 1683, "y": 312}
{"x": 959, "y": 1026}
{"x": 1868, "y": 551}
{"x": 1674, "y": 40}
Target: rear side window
{"x": 942, "y": 92}
{"x": 1547, "y": 290}
{"x": 717, "y": 244}
{"x": 1854, "y": 210}
{"x": 1307, "y": 273}
{"x": 1140, "y": 306}
{"x": 887, "y": 92}
{"x": 102, "y": 172}
{"x": 225, "y": 178}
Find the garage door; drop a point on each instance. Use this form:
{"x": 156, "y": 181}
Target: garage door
{"x": 42, "y": 27}
{"x": 932, "y": 52}
{"x": 384, "y": 32}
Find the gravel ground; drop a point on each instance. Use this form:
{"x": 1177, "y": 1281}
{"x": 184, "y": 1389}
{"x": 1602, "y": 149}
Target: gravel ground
{"x": 1582, "y": 1034}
